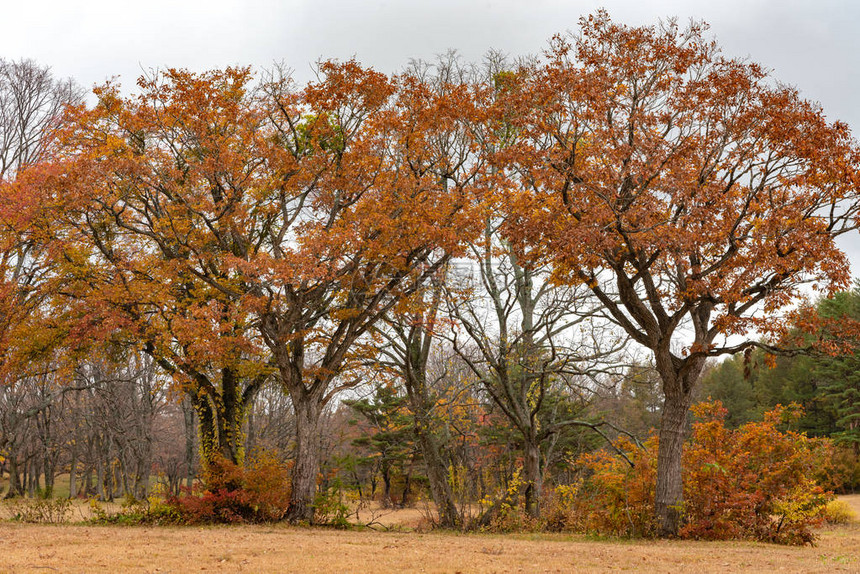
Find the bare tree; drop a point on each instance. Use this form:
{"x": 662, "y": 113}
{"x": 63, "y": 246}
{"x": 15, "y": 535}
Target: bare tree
{"x": 526, "y": 340}
{"x": 409, "y": 340}
{"x": 31, "y": 101}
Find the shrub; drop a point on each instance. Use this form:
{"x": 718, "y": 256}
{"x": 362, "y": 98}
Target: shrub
{"x": 756, "y": 482}
{"x": 330, "y": 507}
{"x": 842, "y": 473}
{"x": 560, "y": 508}
{"x": 508, "y": 514}
{"x": 154, "y": 511}
{"x": 259, "y": 492}
{"x": 43, "y": 510}
{"x": 617, "y": 499}
{"x": 838, "y": 512}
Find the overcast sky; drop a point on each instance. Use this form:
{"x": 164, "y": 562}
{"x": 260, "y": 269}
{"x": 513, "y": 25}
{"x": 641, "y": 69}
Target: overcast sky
{"x": 811, "y": 44}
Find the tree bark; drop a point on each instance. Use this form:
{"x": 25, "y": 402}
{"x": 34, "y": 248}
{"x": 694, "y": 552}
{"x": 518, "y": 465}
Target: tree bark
{"x": 88, "y": 480}
{"x": 534, "y": 478}
{"x": 15, "y": 487}
{"x": 407, "y": 488}
{"x": 679, "y": 380}
{"x": 73, "y": 471}
{"x": 188, "y": 416}
{"x": 306, "y": 470}
{"x": 437, "y": 474}
{"x": 386, "y": 481}
{"x": 230, "y": 417}
{"x": 417, "y": 346}
{"x": 100, "y": 474}
{"x": 669, "y": 494}
{"x": 220, "y": 418}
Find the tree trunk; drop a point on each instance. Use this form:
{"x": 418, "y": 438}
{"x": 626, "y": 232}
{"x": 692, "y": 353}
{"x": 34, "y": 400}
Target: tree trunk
{"x": 304, "y": 481}
{"x": 15, "y": 488}
{"x": 220, "y": 421}
{"x": 73, "y": 471}
{"x": 251, "y": 435}
{"x": 386, "y": 480}
{"x": 407, "y": 487}
{"x": 88, "y": 480}
{"x": 188, "y": 415}
{"x": 230, "y": 416}
{"x": 437, "y": 474}
{"x": 100, "y": 479}
{"x": 33, "y": 482}
{"x": 669, "y": 494}
{"x": 534, "y": 478}
{"x": 207, "y": 429}
{"x": 415, "y": 377}
{"x": 48, "y": 466}
{"x": 679, "y": 379}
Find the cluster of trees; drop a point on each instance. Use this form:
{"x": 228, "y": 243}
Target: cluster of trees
{"x": 106, "y": 428}
{"x": 517, "y": 228}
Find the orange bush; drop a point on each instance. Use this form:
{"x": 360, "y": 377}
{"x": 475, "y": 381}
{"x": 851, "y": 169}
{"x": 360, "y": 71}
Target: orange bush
{"x": 756, "y": 482}
{"x": 259, "y": 492}
{"x": 617, "y": 499}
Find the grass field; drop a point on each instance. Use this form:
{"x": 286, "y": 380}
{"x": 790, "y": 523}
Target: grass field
{"x": 46, "y": 548}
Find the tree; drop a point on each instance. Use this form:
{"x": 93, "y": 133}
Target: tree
{"x": 524, "y": 338}
{"x": 691, "y": 193}
{"x": 825, "y": 386}
{"x": 388, "y": 439}
{"x": 31, "y": 102}
{"x": 239, "y": 233}
{"x": 439, "y": 96}
{"x": 839, "y": 377}
{"x": 147, "y": 203}
{"x": 384, "y": 211}
{"x": 408, "y": 342}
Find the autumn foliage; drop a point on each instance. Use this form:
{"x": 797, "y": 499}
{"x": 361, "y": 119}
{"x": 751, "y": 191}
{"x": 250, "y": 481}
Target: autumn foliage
{"x": 692, "y": 193}
{"x": 257, "y": 492}
{"x": 246, "y": 233}
{"x": 757, "y": 482}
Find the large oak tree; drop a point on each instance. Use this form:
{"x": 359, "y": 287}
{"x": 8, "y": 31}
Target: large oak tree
{"x": 691, "y": 192}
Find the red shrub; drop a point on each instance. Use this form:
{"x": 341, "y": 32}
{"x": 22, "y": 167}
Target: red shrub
{"x": 259, "y": 492}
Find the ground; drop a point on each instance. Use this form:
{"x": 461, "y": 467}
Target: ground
{"x": 45, "y": 548}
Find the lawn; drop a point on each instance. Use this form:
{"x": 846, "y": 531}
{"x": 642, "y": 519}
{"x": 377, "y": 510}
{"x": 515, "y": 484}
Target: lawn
{"x": 74, "y": 548}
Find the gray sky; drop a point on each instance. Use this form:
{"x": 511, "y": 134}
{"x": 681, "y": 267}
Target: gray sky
{"x": 810, "y": 44}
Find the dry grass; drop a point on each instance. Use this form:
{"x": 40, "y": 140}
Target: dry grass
{"x": 36, "y": 548}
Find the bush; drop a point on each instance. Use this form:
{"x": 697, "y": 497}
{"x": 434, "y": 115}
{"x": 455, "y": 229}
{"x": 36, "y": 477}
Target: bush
{"x": 43, "y": 510}
{"x": 153, "y": 511}
{"x": 331, "y": 508}
{"x": 260, "y": 492}
{"x": 838, "y": 512}
{"x": 756, "y": 482}
{"x": 508, "y": 514}
{"x": 616, "y": 499}
{"x": 842, "y": 474}
{"x": 559, "y": 512}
